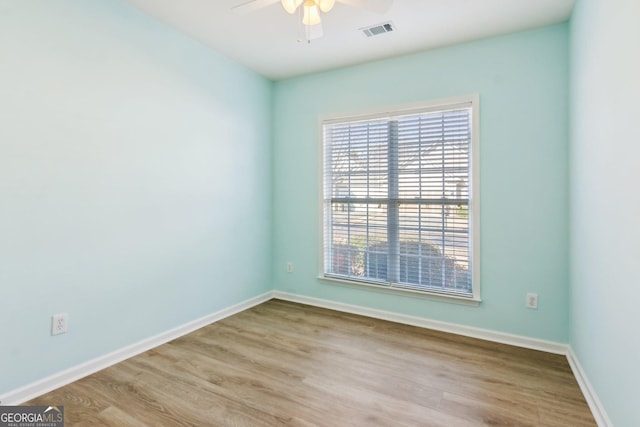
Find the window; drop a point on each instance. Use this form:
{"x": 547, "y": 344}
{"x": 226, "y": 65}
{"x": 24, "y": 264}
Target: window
{"x": 400, "y": 199}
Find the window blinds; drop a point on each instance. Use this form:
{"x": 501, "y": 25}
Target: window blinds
{"x": 396, "y": 200}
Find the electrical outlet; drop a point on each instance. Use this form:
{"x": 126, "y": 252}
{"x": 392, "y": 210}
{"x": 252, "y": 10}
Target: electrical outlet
{"x": 59, "y": 323}
{"x": 289, "y": 267}
{"x": 532, "y": 301}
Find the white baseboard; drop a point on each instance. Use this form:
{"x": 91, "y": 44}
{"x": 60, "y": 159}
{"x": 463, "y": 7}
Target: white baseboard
{"x": 588, "y": 391}
{"x": 75, "y": 373}
{"x": 468, "y": 331}
{"x": 45, "y": 385}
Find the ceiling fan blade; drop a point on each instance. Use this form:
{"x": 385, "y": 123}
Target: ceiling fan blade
{"x": 252, "y": 5}
{"x": 378, "y": 6}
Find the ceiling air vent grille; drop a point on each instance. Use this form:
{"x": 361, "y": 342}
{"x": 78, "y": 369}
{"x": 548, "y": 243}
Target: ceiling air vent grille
{"x": 376, "y": 30}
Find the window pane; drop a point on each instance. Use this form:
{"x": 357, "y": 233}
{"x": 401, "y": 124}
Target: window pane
{"x": 434, "y": 246}
{"x": 357, "y": 156}
{"x": 359, "y": 240}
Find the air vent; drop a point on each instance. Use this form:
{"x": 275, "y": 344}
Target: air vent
{"x": 376, "y": 30}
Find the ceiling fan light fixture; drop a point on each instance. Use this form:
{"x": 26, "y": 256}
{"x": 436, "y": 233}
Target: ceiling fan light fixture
{"x": 291, "y": 5}
{"x": 326, "y": 5}
{"x": 311, "y": 13}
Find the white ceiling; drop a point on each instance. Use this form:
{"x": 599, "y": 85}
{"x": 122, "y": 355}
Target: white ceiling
{"x": 266, "y": 40}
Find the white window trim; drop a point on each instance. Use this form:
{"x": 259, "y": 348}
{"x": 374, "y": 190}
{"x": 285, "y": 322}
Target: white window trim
{"x": 474, "y": 198}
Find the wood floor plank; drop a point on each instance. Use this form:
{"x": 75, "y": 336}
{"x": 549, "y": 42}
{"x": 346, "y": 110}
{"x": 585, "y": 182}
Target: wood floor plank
{"x": 113, "y": 415}
{"x": 287, "y": 364}
{"x": 482, "y": 412}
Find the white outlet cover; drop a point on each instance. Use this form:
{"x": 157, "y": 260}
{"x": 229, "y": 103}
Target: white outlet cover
{"x": 532, "y": 301}
{"x": 59, "y": 323}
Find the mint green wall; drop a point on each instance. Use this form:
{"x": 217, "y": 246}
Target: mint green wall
{"x": 605, "y": 202}
{"x": 134, "y": 182}
{"x": 522, "y": 83}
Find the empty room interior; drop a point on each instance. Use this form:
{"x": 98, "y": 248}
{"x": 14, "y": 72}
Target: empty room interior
{"x": 360, "y": 212}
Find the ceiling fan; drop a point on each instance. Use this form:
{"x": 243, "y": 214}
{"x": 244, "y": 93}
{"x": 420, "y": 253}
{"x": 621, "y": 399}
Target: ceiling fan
{"x": 309, "y": 10}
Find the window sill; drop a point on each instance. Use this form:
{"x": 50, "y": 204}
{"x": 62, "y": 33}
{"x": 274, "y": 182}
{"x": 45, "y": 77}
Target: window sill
{"x": 434, "y": 296}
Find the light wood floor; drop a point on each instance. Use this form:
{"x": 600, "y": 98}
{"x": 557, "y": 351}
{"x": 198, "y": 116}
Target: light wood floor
{"x": 282, "y": 363}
